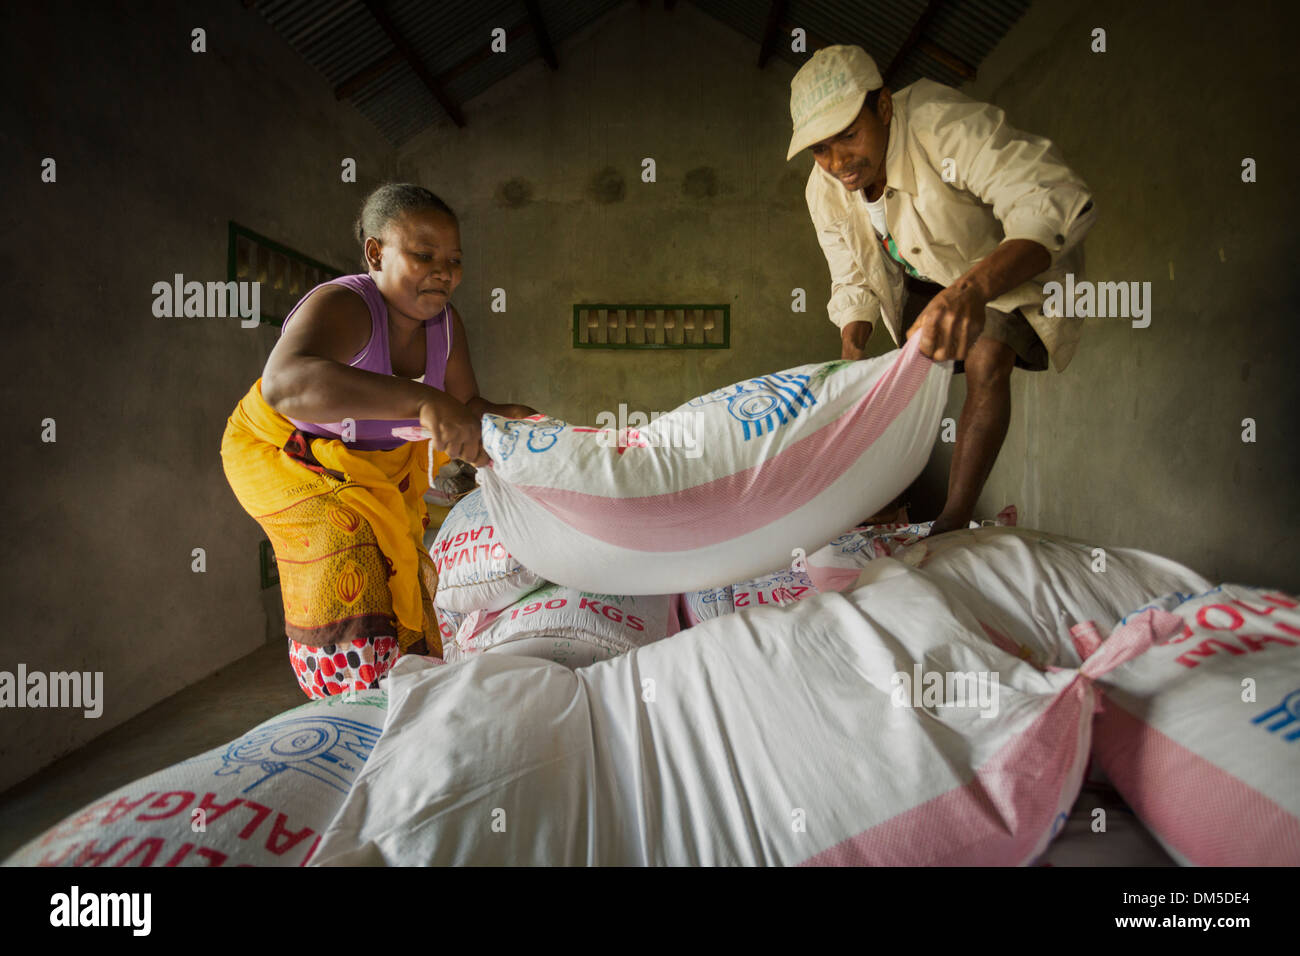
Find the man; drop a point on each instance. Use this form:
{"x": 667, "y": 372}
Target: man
{"x": 942, "y": 220}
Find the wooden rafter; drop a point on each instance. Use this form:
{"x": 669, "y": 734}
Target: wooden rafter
{"x": 913, "y": 38}
{"x": 775, "y": 14}
{"x": 416, "y": 64}
{"x": 543, "y": 40}
{"x": 383, "y": 64}
{"x": 484, "y": 53}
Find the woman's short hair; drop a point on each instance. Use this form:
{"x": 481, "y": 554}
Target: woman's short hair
{"x": 392, "y": 201}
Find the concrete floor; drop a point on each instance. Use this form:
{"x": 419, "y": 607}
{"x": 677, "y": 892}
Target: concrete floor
{"x": 205, "y": 715}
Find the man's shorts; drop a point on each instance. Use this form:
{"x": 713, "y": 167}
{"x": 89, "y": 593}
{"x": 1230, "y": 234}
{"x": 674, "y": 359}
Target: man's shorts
{"x": 1011, "y": 329}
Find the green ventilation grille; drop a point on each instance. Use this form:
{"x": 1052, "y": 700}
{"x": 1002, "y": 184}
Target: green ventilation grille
{"x": 285, "y": 274}
{"x": 601, "y": 326}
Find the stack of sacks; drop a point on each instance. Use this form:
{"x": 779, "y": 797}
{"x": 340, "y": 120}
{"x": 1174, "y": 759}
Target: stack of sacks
{"x": 696, "y": 607}
{"x": 475, "y": 570}
{"x": 831, "y": 568}
{"x": 1038, "y": 595}
{"x": 836, "y": 566}
{"x": 261, "y": 800}
{"x": 1199, "y": 734}
{"x": 449, "y": 623}
{"x": 878, "y": 728}
{"x": 778, "y": 589}
{"x": 1202, "y": 735}
{"x": 570, "y": 627}
{"x": 720, "y": 489}
{"x": 488, "y": 601}
{"x": 451, "y": 483}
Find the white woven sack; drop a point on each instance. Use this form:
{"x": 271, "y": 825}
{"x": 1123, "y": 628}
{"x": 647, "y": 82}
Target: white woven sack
{"x": 263, "y": 799}
{"x": 722, "y": 488}
{"x": 774, "y": 736}
{"x": 475, "y": 570}
{"x": 1201, "y": 735}
{"x": 570, "y": 627}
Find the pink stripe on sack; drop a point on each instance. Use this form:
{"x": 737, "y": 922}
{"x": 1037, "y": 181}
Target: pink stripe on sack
{"x": 1128, "y": 641}
{"x": 1086, "y": 637}
{"x": 996, "y": 819}
{"x": 826, "y": 579}
{"x": 1208, "y": 815}
{"x": 688, "y": 519}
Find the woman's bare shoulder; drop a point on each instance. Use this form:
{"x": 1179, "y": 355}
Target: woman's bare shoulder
{"x": 335, "y": 300}
{"x": 335, "y": 318}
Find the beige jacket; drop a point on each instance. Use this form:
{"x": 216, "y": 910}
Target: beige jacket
{"x": 1004, "y": 184}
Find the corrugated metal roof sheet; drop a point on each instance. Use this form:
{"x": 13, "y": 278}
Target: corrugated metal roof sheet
{"x": 341, "y": 37}
{"x": 968, "y": 29}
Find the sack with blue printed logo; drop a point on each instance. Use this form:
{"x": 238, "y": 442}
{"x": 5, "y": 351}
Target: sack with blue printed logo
{"x": 1201, "y": 734}
{"x": 721, "y": 489}
{"x": 779, "y": 588}
{"x": 476, "y": 572}
{"x": 264, "y": 799}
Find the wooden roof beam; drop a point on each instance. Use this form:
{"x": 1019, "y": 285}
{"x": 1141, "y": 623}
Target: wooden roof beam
{"x": 775, "y": 15}
{"x": 379, "y": 67}
{"x": 543, "y": 39}
{"x": 416, "y": 64}
{"x": 913, "y": 38}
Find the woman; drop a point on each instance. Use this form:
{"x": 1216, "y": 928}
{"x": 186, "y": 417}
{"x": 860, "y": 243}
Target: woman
{"x": 310, "y": 450}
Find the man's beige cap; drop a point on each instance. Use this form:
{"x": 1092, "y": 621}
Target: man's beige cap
{"x": 827, "y": 93}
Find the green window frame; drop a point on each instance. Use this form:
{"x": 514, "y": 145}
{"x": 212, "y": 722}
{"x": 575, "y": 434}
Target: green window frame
{"x": 600, "y": 325}
{"x": 285, "y": 274}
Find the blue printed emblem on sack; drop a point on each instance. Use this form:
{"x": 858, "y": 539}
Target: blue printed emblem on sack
{"x": 500, "y": 442}
{"x": 544, "y": 437}
{"x": 1283, "y": 715}
{"x": 763, "y": 404}
{"x": 328, "y": 749}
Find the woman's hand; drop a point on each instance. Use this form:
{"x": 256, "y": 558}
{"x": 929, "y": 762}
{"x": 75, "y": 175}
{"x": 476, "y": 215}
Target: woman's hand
{"x": 453, "y": 428}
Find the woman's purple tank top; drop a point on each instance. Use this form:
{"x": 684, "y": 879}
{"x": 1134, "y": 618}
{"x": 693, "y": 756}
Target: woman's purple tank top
{"x": 377, "y": 434}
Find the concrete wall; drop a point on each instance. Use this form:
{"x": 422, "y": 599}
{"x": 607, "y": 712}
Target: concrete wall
{"x": 156, "y": 148}
{"x": 1138, "y": 443}
{"x": 546, "y": 179}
